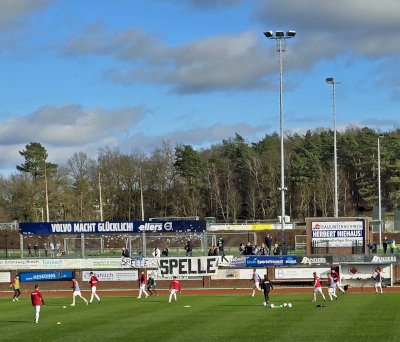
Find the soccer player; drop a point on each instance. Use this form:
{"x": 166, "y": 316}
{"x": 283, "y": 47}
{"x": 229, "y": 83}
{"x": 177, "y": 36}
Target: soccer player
{"x": 317, "y": 287}
{"x": 331, "y": 287}
{"x": 174, "y": 287}
{"x": 266, "y": 285}
{"x": 77, "y": 292}
{"x": 142, "y": 285}
{"x": 16, "y": 287}
{"x": 255, "y": 278}
{"x": 93, "y": 284}
{"x": 151, "y": 285}
{"x": 37, "y": 300}
{"x": 338, "y": 283}
{"x": 378, "y": 280}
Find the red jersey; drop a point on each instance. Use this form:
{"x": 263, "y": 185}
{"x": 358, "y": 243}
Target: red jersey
{"x": 317, "y": 281}
{"x": 335, "y": 276}
{"x": 36, "y": 297}
{"x": 93, "y": 281}
{"x": 175, "y": 285}
{"x": 143, "y": 279}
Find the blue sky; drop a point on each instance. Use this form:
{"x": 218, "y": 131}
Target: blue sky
{"x": 82, "y": 75}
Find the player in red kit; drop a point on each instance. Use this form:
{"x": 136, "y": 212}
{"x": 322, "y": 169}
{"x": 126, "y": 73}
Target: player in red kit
{"x": 338, "y": 283}
{"x": 317, "y": 287}
{"x": 174, "y": 287}
{"x": 37, "y": 300}
{"x": 93, "y": 284}
{"x": 142, "y": 285}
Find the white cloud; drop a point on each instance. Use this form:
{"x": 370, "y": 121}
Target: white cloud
{"x": 364, "y": 27}
{"x": 12, "y": 11}
{"x": 69, "y": 125}
{"x": 200, "y": 137}
{"x": 224, "y": 62}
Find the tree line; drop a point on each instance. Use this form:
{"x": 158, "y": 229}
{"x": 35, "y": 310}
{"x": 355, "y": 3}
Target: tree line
{"x": 232, "y": 180}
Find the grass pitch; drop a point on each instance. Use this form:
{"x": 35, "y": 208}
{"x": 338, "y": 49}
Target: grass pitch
{"x": 353, "y": 317}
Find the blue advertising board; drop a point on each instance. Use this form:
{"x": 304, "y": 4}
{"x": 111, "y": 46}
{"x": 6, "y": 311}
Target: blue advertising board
{"x": 45, "y": 276}
{"x": 273, "y": 260}
{"x": 111, "y": 227}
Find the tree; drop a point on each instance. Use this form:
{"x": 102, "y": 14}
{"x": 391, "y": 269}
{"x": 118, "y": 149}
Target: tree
{"x": 78, "y": 168}
{"x": 35, "y": 160}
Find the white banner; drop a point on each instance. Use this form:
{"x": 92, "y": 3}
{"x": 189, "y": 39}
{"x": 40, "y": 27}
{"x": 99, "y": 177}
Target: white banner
{"x": 358, "y": 271}
{"x": 56, "y": 264}
{"x": 337, "y": 234}
{"x": 243, "y": 273}
{"x": 5, "y": 277}
{"x": 139, "y": 262}
{"x": 20, "y": 264}
{"x": 189, "y": 267}
{"x": 124, "y": 275}
{"x": 300, "y": 273}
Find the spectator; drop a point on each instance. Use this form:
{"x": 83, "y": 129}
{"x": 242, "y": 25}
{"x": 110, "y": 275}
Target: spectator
{"x": 392, "y": 246}
{"x": 221, "y": 249}
{"x": 262, "y": 250}
{"x": 36, "y": 248}
{"x": 156, "y": 252}
{"x": 45, "y": 249}
{"x": 241, "y": 248}
{"x": 125, "y": 252}
{"x": 268, "y": 243}
{"x": 212, "y": 251}
{"x": 385, "y": 245}
{"x": 255, "y": 250}
{"x": 165, "y": 252}
{"x": 188, "y": 247}
{"x": 276, "y": 250}
{"x": 248, "y": 250}
{"x": 52, "y": 249}
{"x": 29, "y": 249}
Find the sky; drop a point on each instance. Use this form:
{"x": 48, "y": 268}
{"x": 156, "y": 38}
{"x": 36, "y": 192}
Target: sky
{"x": 82, "y": 75}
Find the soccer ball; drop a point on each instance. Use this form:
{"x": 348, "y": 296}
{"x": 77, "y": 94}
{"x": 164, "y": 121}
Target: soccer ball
{"x": 272, "y": 305}
{"x": 289, "y": 305}
{"x": 284, "y": 305}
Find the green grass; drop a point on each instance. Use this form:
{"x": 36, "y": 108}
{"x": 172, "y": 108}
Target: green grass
{"x": 354, "y": 317}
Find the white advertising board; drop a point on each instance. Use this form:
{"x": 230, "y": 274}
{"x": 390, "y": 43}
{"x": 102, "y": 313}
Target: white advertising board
{"x": 362, "y": 271}
{"x": 122, "y": 275}
{"x": 300, "y": 273}
{"x": 5, "y": 277}
{"x": 337, "y": 234}
{"x": 243, "y": 273}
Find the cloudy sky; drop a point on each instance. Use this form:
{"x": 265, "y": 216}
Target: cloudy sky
{"x": 80, "y": 75}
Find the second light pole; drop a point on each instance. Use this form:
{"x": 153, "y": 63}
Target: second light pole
{"x": 331, "y": 80}
{"x": 280, "y": 38}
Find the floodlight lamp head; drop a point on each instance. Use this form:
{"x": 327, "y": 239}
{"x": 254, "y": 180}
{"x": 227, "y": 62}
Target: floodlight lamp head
{"x": 290, "y": 33}
{"x": 268, "y": 34}
{"x": 330, "y": 80}
{"x": 279, "y": 34}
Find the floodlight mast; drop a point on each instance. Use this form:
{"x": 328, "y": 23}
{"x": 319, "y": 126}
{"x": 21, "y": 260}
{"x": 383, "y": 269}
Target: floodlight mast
{"x": 331, "y": 80}
{"x": 280, "y": 38}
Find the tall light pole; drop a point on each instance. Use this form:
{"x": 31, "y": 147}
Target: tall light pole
{"x": 46, "y": 190}
{"x": 280, "y": 38}
{"x": 331, "y": 80}
{"x": 379, "y": 192}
